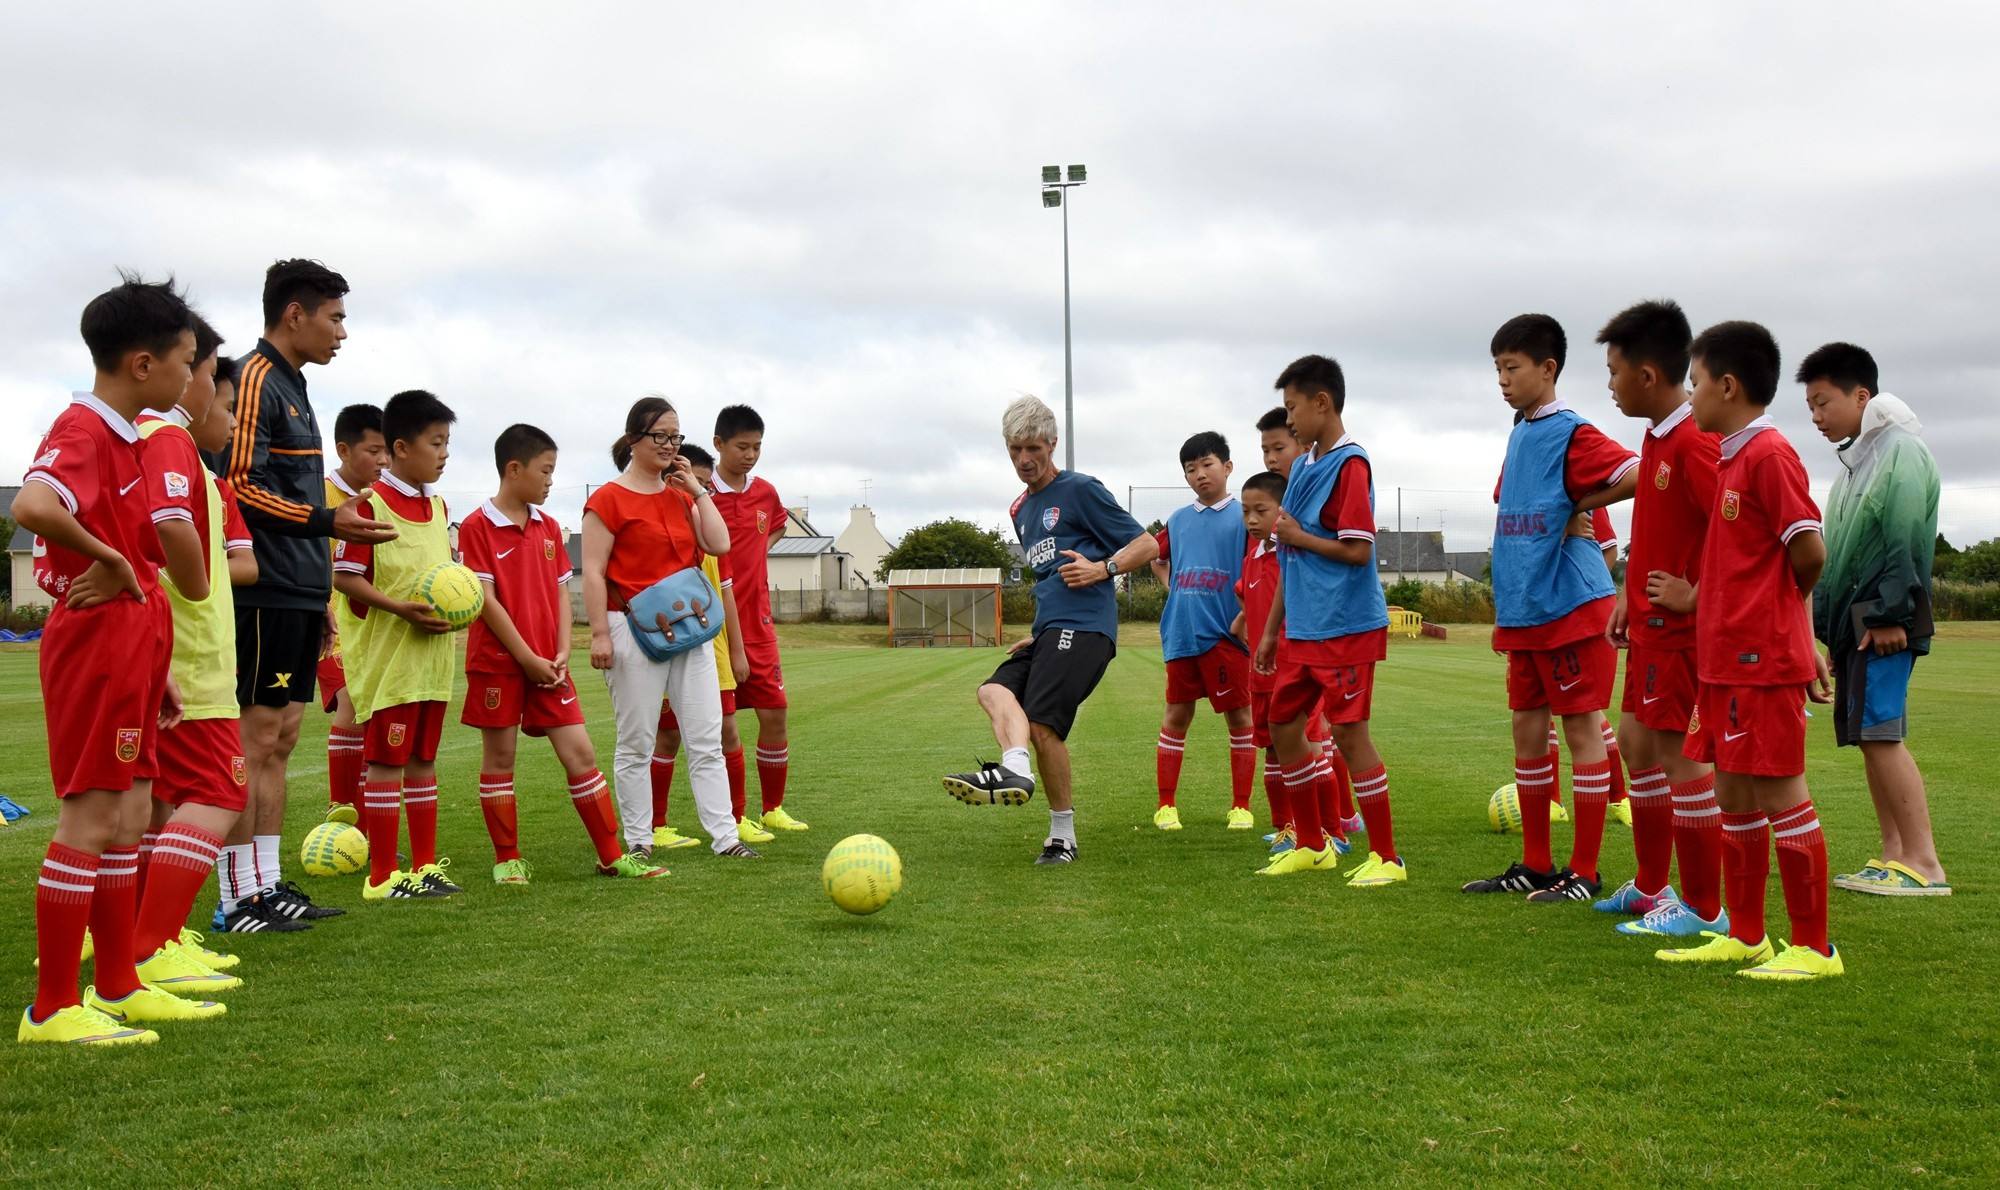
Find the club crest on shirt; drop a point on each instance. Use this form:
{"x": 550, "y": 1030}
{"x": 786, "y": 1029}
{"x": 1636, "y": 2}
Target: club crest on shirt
{"x": 1661, "y": 476}
{"x": 1732, "y": 504}
{"x": 548, "y": 551}
{"x": 238, "y": 771}
{"x": 1051, "y": 516}
{"x": 493, "y": 698}
{"x": 1694, "y": 719}
{"x": 47, "y": 460}
{"x": 763, "y": 522}
{"x": 397, "y": 731}
{"x": 128, "y": 745}
{"x": 177, "y": 485}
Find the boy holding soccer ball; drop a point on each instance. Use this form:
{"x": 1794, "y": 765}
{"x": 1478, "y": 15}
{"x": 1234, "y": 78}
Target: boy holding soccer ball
{"x": 517, "y": 656}
{"x": 399, "y": 657}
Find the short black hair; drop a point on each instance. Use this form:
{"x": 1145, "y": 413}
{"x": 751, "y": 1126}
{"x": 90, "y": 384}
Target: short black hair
{"x": 226, "y": 370}
{"x": 352, "y": 424}
{"x": 520, "y": 443}
{"x": 206, "y": 339}
{"x": 1314, "y": 374}
{"x": 1276, "y": 419}
{"x": 696, "y": 456}
{"x": 737, "y": 419}
{"x": 1744, "y": 350}
{"x": 1536, "y": 336}
{"x": 1654, "y": 332}
{"x": 410, "y": 413}
{"x": 1843, "y": 365}
{"x": 1208, "y": 442}
{"x": 134, "y": 315}
{"x": 1269, "y": 482}
{"x": 307, "y": 282}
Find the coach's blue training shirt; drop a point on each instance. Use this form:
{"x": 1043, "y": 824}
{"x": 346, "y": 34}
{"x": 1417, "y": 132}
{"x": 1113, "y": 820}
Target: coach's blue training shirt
{"x": 1073, "y": 513}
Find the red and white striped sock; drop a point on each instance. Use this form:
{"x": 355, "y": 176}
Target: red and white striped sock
{"x": 420, "y": 805}
{"x": 1371, "y": 793}
{"x": 62, "y": 913}
{"x": 774, "y": 766}
{"x": 1618, "y": 791}
{"x": 1242, "y": 767}
{"x": 590, "y": 794}
{"x": 1698, "y": 842}
{"x": 146, "y": 843}
{"x": 382, "y": 812}
{"x": 1652, "y": 829}
{"x": 1167, "y": 757}
{"x": 1534, "y": 781}
{"x": 1274, "y": 793}
{"x": 346, "y": 770}
{"x": 1303, "y": 799}
{"x": 182, "y": 861}
{"x": 114, "y": 916}
{"x": 496, "y": 806}
{"x": 1592, "y": 784}
{"x": 1343, "y": 780}
{"x": 1802, "y": 866}
{"x": 1746, "y": 869}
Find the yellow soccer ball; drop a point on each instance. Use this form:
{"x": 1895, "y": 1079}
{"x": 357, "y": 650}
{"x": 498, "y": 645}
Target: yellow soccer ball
{"x": 454, "y": 594}
{"x": 334, "y": 849}
{"x": 1503, "y": 809}
{"x": 861, "y": 873}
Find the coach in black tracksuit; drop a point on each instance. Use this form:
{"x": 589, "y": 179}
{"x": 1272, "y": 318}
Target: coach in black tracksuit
{"x": 274, "y": 464}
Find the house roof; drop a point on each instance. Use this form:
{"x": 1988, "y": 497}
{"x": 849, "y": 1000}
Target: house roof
{"x": 801, "y": 547}
{"x": 1423, "y": 552}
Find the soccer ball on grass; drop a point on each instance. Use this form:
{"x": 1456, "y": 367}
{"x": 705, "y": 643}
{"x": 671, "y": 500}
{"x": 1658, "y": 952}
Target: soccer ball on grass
{"x": 862, "y": 873}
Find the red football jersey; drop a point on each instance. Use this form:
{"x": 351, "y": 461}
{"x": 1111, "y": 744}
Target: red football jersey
{"x": 91, "y": 457}
{"x": 751, "y": 516}
{"x": 1677, "y": 468}
{"x": 235, "y": 530}
{"x": 1753, "y": 627}
{"x": 528, "y": 566}
{"x": 1258, "y": 591}
{"x": 174, "y": 473}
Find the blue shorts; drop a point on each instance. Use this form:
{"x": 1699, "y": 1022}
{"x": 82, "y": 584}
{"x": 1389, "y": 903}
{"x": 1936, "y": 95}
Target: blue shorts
{"x": 1872, "y": 697}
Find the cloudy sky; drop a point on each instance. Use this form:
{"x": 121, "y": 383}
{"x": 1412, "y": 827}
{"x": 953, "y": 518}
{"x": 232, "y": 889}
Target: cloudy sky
{"x": 831, "y": 212}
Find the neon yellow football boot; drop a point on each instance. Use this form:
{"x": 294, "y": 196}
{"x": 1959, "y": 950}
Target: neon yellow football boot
{"x": 152, "y": 1004}
{"x": 778, "y": 820}
{"x": 1167, "y": 818}
{"x": 214, "y": 960}
{"x": 1796, "y": 964}
{"x": 1557, "y": 813}
{"x": 80, "y": 1025}
{"x": 1299, "y": 859}
{"x": 748, "y": 831}
{"x": 1377, "y": 872}
{"x": 1619, "y": 812}
{"x": 1720, "y": 948}
{"x": 343, "y": 813}
{"x": 172, "y": 968}
{"x": 666, "y": 838}
{"x": 1240, "y": 819}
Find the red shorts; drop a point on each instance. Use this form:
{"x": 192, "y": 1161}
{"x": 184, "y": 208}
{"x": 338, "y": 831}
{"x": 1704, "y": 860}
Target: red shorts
{"x": 395, "y": 736}
{"x": 1572, "y": 679}
{"x": 669, "y": 723}
{"x": 506, "y": 700}
{"x": 1260, "y": 721}
{"x": 104, "y": 675}
{"x": 332, "y": 680}
{"x": 764, "y": 689}
{"x": 1756, "y": 731}
{"x": 1660, "y": 687}
{"x": 201, "y": 764}
{"x": 1221, "y": 675}
{"x": 1340, "y": 693}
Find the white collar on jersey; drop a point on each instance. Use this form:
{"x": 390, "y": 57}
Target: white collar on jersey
{"x": 1312, "y": 453}
{"x": 1742, "y": 437}
{"x": 1671, "y": 420}
{"x": 390, "y": 478}
{"x": 119, "y": 426}
{"x": 333, "y": 477}
{"x": 502, "y": 520}
{"x": 720, "y": 484}
{"x": 1553, "y": 407}
{"x": 1218, "y": 506}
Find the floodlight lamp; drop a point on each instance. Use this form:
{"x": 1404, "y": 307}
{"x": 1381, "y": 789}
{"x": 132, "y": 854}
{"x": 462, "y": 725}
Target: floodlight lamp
{"x": 1051, "y": 174}
{"x": 1051, "y": 198}
{"x": 1076, "y": 173}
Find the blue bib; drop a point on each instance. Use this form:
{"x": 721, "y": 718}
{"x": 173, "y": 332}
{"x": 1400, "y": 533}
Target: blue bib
{"x": 1540, "y": 572}
{"x": 1206, "y": 560}
{"x": 1325, "y": 599}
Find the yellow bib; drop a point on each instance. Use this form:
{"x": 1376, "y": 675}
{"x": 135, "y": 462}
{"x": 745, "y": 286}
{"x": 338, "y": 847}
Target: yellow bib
{"x": 344, "y": 621}
{"x": 721, "y": 642}
{"x": 389, "y": 662}
{"x": 204, "y": 664}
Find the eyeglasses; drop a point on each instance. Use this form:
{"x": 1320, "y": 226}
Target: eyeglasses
{"x": 666, "y": 440}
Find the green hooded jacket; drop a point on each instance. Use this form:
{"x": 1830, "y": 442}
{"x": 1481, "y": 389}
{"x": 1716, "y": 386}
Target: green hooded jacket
{"x": 1881, "y": 529}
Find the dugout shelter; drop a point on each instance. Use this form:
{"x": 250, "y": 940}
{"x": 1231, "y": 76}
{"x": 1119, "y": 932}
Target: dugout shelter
{"x": 934, "y": 608}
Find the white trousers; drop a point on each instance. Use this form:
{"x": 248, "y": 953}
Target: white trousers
{"x": 638, "y": 684}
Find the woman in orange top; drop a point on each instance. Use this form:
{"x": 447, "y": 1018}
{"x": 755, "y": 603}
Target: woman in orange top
{"x": 652, "y": 521}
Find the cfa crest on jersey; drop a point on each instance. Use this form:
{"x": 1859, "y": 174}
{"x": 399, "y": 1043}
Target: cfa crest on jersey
{"x": 493, "y": 698}
{"x": 548, "y": 551}
{"x": 238, "y": 771}
{"x": 177, "y": 486}
{"x": 128, "y": 745}
{"x": 763, "y": 522}
{"x": 1051, "y": 516}
{"x": 397, "y": 733}
{"x": 1732, "y": 504}
{"x": 1661, "y": 476}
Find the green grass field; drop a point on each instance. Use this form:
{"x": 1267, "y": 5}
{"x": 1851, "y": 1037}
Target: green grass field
{"x": 1151, "y": 1014}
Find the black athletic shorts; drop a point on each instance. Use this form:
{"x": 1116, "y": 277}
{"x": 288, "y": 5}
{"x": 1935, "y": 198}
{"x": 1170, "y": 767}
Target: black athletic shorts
{"x": 277, "y": 655}
{"x": 1054, "y": 675}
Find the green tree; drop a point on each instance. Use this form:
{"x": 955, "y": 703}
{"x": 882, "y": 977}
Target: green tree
{"x": 1977, "y": 563}
{"x": 946, "y": 545}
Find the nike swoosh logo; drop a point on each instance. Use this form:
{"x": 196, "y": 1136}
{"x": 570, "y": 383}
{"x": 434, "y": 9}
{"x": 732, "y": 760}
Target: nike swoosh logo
{"x": 1650, "y": 701}
{"x": 1221, "y": 693}
{"x": 1730, "y": 737}
{"x": 128, "y": 487}
{"x": 569, "y": 700}
{"x": 1350, "y": 696}
{"x": 1568, "y": 684}
{"x": 504, "y": 553}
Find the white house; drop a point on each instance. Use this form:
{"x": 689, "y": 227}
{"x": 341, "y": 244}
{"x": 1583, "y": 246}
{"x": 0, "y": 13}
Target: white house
{"x": 805, "y": 559}
{"x": 864, "y": 545}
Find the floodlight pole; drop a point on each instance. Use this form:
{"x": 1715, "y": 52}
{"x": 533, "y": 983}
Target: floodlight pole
{"x": 1055, "y": 181}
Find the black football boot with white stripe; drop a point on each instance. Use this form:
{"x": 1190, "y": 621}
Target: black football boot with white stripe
{"x": 258, "y": 916}
{"x": 1518, "y": 878}
{"x": 992, "y": 785}
{"x": 1568, "y": 887}
{"x": 291, "y": 901}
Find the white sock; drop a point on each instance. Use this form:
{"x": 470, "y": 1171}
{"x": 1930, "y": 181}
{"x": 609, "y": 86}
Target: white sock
{"x": 233, "y": 875}
{"x": 1062, "y": 825}
{"x": 267, "y": 862}
{"x": 1015, "y": 761}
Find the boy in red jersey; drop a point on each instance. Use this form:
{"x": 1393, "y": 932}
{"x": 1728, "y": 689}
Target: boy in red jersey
{"x": 1673, "y": 797}
{"x": 755, "y": 518}
{"x": 82, "y": 496}
{"x": 1552, "y": 596}
{"x": 1263, "y": 499}
{"x": 1754, "y": 654}
{"x": 517, "y": 657}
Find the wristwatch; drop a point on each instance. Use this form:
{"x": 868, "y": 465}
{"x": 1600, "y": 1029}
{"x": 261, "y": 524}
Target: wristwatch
{"x": 1110, "y": 569}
